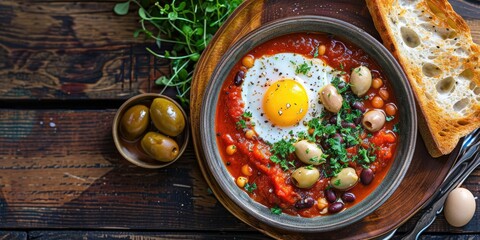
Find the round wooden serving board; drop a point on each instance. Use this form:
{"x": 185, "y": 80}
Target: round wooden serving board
{"x": 425, "y": 173}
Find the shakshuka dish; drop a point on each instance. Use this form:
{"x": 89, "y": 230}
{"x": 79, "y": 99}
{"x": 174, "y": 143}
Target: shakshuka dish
{"x": 306, "y": 124}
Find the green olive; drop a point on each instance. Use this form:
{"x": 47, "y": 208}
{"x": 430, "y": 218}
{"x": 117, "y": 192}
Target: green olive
{"x": 305, "y": 177}
{"x": 167, "y": 117}
{"x": 134, "y": 122}
{"x": 373, "y": 120}
{"x": 346, "y": 179}
{"x": 309, "y": 152}
{"x": 360, "y": 80}
{"x": 160, "y": 147}
{"x": 330, "y": 98}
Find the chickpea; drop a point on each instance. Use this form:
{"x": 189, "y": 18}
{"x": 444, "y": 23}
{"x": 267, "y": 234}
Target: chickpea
{"x": 346, "y": 179}
{"x": 241, "y": 181}
{"x": 321, "y": 50}
{"x": 377, "y": 83}
{"x": 330, "y": 98}
{"x": 390, "y": 109}
{"x": 377, "y": 102}
{"x": 248, "y": 61}
{"x": 373, "y": 120}
{"x": 305, "y": 177}
{"x": 383, "y": 93}
{"x": 249, "y": 134}
{"x": 324, "y": 211}
{"x": 309, "y": 153}
{"x": 247, "y": 170}
{"x": 360, "y": 80}
{"x": 322, "y": 203}
{"x": 231, "y": 149}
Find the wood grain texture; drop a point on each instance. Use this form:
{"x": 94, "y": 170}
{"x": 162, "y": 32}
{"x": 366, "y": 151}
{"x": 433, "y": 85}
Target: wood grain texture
{"x": 73, "y": 50}
{"x": 13, "y": 235}
{"x": 125, "y": 235}
{"x": 65, "y": 66}
{"x": 121, "y": 235}
{"x": 59, "y": 168}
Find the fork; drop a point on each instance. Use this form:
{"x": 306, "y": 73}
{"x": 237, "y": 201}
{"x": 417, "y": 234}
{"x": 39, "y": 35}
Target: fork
{"x": 466, "y": 162}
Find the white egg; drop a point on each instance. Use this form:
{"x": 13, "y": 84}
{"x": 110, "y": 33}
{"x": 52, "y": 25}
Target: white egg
{"x": 281, "y": 92}
{"x": 459, "y": 207}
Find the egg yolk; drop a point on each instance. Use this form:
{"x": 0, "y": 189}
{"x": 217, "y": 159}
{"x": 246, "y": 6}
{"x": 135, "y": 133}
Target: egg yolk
{"x": 285, "y": 102}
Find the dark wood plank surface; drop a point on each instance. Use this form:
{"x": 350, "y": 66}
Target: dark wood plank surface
{"x": 65, "y": 67}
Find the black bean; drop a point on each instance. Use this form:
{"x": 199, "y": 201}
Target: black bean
{"x": 339, "y": 137}
{"x": 333, "y": 119}
{"x": 239, "y": 78}
{"x": 366, "y": 176}
{"x": 358, "y": 120}
{"x": 305, "y": 203}
{"x": 330, "y": 196}
{"x": 335, "y": 207}
{"x": 325, "y": 144}
{"x": 341, "y": 85}
{"x": 348, "y": 125}
{"x": 348, "y": 197}
{"x": 359, "y": 106}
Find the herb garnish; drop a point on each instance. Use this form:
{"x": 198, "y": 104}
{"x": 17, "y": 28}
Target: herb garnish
{"x": 244, "y": 120}
{"x": 187, "y": 26}
{"x": 366, "y": 157}
{"x": 276, "y": 210}
{"x": 302, "y": 68}
{"x": 395, "y": 128}
{"x": 281, "y": 150}
{"x": 250, "y": 187}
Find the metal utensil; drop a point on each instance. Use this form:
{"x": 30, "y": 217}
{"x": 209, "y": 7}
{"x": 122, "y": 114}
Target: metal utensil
{"x": 467, "y": 161}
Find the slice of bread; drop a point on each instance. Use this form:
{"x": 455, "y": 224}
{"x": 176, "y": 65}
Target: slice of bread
{"x": 435, "y": 48}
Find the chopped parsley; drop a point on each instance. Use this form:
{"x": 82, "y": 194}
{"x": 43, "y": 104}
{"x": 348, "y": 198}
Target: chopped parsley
{"x": 395, "y": 128}
{"x": 250, "y": 187}
{"x": 337, "y": 182}
{"x": 281, "y": 150}
{"x": 302, "y": 68}
{"x": 388, "y": 119}
{"x": 241, "y": 124}
{"x": 276, "y": 210}
{"x": 366, "y": 157}
{"x": 318, "y": 160}
{"x": 244, "y": 120}
{"x": 247, "y": 114}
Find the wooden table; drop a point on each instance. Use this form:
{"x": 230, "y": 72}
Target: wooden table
{"x": 65, "y": 67}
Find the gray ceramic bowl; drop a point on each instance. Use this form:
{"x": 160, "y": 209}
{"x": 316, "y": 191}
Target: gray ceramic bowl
{"x": 407, "y": 125}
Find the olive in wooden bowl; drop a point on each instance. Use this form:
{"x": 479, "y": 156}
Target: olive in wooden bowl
{"x": 151, "y": 130}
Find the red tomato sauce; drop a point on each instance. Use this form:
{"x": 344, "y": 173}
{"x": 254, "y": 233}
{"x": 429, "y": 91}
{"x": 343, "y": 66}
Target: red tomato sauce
{"x": 274, "y": 186}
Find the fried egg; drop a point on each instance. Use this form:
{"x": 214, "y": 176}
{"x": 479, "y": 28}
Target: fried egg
{"x": 281, "y": 93}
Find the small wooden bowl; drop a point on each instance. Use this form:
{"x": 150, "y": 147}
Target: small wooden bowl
{"x": 132, "y": 150}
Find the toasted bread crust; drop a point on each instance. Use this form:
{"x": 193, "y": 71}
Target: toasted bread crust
{"x": 441, "y": 62}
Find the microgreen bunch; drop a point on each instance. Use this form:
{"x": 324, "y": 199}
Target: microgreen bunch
{"x": 187, "y": 27}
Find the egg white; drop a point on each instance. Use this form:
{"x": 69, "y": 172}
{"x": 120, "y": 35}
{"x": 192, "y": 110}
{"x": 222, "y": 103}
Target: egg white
{"x": 269, "y": 69}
